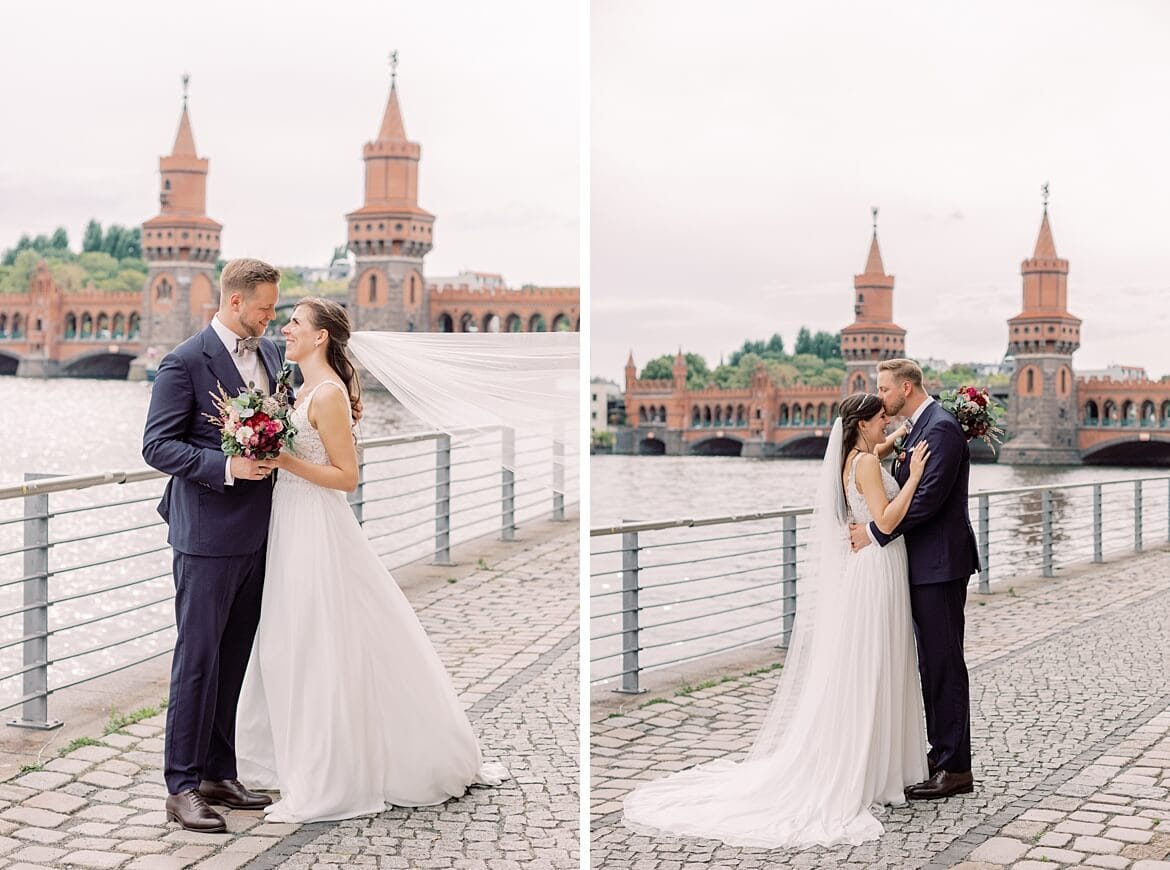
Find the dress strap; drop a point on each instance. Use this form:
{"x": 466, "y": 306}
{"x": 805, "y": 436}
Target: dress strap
{"x": 313, "y": 392}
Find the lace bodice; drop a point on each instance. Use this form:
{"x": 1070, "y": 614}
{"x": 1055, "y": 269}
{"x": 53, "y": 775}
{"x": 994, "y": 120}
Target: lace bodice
{"x": 307, "y": 444}
{"x": 855, "y": 501}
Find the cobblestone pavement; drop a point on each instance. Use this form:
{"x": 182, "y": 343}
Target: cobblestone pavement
{"x": 508, "y": 634}
{"x": 1070, "y": 685}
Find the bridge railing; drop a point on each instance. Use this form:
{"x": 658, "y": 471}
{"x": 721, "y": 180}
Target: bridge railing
{"x": 672, "y": 591}
{"x": 85, "y": 569}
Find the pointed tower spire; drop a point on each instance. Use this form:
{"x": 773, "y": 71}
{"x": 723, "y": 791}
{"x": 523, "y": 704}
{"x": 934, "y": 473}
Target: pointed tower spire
{"x": 184, "y": 139}
{"x": 873, "y": 336}
{"x": 873, "y": 263}
{"x": 393, "y": 129}
{"x": 1045, "y": 246}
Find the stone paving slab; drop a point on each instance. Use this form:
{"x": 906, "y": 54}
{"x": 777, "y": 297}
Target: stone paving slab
{"x": 1070, "y": 685}
{"x": 508, "y": 634}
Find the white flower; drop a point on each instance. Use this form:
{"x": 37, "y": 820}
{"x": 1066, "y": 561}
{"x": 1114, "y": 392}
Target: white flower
{"x": 972, "y": 407}
{"x": 245, "y": 413}
{"x": 244, "y": 435}
{"x": 270, "y": 406}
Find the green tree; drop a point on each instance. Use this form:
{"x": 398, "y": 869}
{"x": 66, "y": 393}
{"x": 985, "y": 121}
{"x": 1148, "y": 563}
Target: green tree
{"x": 19, "y": 272}
{"x": 662, "y": 369}
{"x": 92, "y": 241}
{"x": 112, "y": 240}
{"x": 826, "y": 345}
{"x": 803, "y": 341}
{"x": 60, "y": 239}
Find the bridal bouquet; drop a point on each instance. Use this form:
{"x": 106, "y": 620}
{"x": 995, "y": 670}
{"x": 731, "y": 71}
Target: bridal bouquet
{"x": 978, "y": 414}
{"x": 252, "y": 424}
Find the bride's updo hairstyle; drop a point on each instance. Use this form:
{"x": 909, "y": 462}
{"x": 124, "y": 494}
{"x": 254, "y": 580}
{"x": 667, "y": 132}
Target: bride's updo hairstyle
{"x": 328, "y": 315}
{"x": 855, "y": 410}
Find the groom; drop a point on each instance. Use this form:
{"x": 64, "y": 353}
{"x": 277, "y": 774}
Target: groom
{"x": 940, "y": 545}
{"x": 217, "y": 511}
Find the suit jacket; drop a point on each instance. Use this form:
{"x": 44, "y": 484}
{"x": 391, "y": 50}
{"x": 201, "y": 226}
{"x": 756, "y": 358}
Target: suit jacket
{"x": 940, "y": 542}
{"x": 205, "y": 517}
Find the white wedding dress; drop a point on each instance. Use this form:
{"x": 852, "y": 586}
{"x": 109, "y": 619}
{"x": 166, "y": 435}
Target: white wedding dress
{"x": 846, "y": 732}
{"x": 345, "y": 706}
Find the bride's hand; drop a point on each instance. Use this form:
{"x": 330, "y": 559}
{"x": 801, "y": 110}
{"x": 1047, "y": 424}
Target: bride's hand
{"x": 918, "y": 456}
{"x": 281, "y": 460}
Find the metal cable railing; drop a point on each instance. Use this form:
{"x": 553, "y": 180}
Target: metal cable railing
{"x": 661, "y": 595}
{"x": 85, "y": 571}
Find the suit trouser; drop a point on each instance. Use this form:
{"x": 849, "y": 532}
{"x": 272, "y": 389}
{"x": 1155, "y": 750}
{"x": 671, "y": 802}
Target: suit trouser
{"x": 937, "y": 609}
{"x": 217, "y": 609}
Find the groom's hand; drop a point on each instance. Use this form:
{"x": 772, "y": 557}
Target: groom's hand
{"x": 250, "y": 469}
{"x": 858, "y": 537}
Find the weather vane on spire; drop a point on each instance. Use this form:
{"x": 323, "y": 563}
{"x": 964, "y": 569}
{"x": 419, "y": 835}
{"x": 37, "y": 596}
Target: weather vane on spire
{"x": 1044, "y": 192}
{"x": 186, "y": 78}
{"x": 874, "y": 209}
{"x": 393, "y": 67}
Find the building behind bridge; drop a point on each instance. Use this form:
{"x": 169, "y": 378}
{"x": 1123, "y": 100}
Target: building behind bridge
{"x": 46, "y": 331}
{"x": 1054, "y": 416}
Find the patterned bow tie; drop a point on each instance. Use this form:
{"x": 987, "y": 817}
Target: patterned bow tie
{"x": 244, "y": 345}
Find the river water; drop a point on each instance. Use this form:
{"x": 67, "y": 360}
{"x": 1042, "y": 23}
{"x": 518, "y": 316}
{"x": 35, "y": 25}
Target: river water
{"x": 715, "y": 587}
{"x": 109, "y": 539}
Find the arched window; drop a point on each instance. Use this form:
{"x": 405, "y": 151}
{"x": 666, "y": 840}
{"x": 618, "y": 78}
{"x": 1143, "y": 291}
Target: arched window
{"x": 696, "y": 417}
{"x": 167, "y": 184}
{"x": 103, "y": 325}
{"x": 163, "y": 291}
{"x": 412, "y": 280}
{"x": 718, "y": 415}
{"x": 1165, "y": 415}
{"x": 1148, "y": 416}
{"x": 491, "y": 323}
{"x": 536, "y": 323}
{"x": 70, "y": 325}
{"x": 87, "y": 325}
{"x": 17, "y": 326}
{"x": 513, "y": 323}
{"x": 707, "y": 415}
{"x": 446, "y": 323}
{"x": 1030, "y": 381}
{"x": 562, "y": 324}
{"x": 133, "y": 325}
{"x": 740, "y": 416}
{"x": 782, "y": 419}
{"x": 661, "y": 413}
{"x": 1128, "y": 413}
{"x": 373, "y": 289}
{"x": 467, "y": 323}
{"x": 642, "y": 418}
{"x": 809, "y": 418}
{"x": 822, "y": 414}
{"x": 834, "y": 411}
{"x": 119, "y": 325}
{"x": 1109, "y": 413}
{"x": 1092, "y": 415}
{"x": 797, "y": 415}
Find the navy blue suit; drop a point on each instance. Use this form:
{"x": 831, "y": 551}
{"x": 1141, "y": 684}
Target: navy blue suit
{"x": 941, "y": 549}
{"x": 218, "y": 534}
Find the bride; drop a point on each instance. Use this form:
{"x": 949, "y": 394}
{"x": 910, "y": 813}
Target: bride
{"x": 845, "y": 731}
{"x": 345, "y": 707}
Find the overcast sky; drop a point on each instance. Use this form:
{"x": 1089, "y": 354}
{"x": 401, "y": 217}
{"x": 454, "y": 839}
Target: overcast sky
{"x": 737, "y": 149}
{"x": 282, "y": 97}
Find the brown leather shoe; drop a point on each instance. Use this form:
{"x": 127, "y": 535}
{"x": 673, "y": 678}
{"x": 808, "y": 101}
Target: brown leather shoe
{"x": 942, "y": 785}
{"x": 192, "y": 812}
{"x": 231, "y": 793}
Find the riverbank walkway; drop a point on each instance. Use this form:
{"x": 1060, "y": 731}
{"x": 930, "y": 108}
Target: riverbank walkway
{"x": 1070, "y": 690}
{"x": 506, "y": 626}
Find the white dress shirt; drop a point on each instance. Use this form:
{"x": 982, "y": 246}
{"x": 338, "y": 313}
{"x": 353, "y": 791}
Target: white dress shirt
{"x": 250, "y": 367}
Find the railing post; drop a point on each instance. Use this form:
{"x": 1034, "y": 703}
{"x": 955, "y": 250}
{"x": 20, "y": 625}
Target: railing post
{"x": 984, "y": 544}
{"x": 1098, "y": 526}
{"x": 788, "y": 576}
{"x": 630, "y": 616}
{"x": 1137, "y": 516}
{"x": 1168, "y": 510}
{"x": 442, "y": 500}
{"x": 507, "y": 484}
{"x": 1046, "y": 534}
{"x": 357, "y": 498}
{"x": 35, "y": 711}
{"x": 558, "y": 481}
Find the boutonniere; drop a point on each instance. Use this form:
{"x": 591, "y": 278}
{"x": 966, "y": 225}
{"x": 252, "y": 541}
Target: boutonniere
{"x": 284, "y": 379}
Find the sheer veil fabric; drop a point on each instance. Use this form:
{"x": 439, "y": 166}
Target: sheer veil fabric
{"x": 470, "y": 385}
{"x": 845, "y": 730}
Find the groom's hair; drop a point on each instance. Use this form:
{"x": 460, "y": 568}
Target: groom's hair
{"x": 902, "y": 370}
{"x": 242, "y": 275}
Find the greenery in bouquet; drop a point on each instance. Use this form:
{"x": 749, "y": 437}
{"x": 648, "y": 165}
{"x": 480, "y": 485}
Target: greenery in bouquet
{"x": 252, "y": 424}
{"x": 977, "y": 412}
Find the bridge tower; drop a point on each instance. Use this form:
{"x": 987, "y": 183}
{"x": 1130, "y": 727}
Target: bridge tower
{"x": 1042, "y": 406}
{"x": 390, "y": 234}
{"x": 873, "y": 336}
{"x": 180, "y": 245}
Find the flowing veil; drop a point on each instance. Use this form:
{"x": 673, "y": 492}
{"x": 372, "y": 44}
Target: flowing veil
{"x": 473, "y": 385}
{"x": 752, "y": 802}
